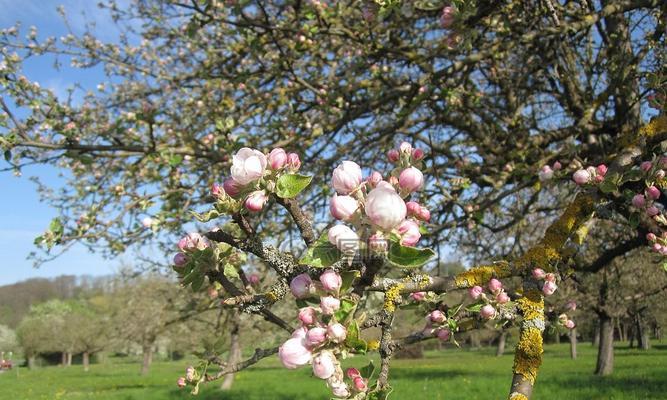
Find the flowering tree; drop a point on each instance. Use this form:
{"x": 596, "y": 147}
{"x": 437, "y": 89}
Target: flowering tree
{"x": 503, "y": 102}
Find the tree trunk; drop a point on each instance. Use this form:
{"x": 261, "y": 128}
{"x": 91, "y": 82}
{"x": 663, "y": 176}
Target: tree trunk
{"x": 63, "y": 359}
{"x": 642, "y": 335}
{"x": 147, "y": 351}
{"x": 573, "y": 343}
{"x": 234, "y": 349}
{"x": 31, "y": 362}
{"x": 69, "y": 358}
{"x": 596, "y": 336}
{"x": 501, "y": 343}
{"x": 605, "y": 363}
{"x": 557, "y": 338}
{"x": 86, "y": 361}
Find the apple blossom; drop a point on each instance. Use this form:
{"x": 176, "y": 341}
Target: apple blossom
{"x": 293, "y": 162}
{"x": 385, "y": 208}
{"x": 405, "y": 148}
{"x": 601, "y": 169}
{"x": 377, "y": 243}
{"x": 293, "y": 353}
{"x": 581, "y": 177}
{"x": 339, "y": 389}
{"x": 487, "y": 311}
{"x": 443, "y": 334}
{"x": 190, "y": 373}
{"x": 495, "y": 285}
{"x": 360, "y": 384}
{"x": 413, "y": 208}
{"x": 315, "y": 337}
{"x": 343, "y": 207}
{"x": 645, "y": 166}
{"x": 411, "y": 179}
{"x": 277, "y": 158}
{"x": 193, "y": 241}
{"x": 639, "y": 201}
{"x": 653, "y": 192}
{"x": 569, "y": 324}
{"x": 374, "y": 178}
{"x": 571, "y": 305}
{"x": 307, "y": 315}
{"x": 256, "y": 200}
{"x": 217, "y": 190}
{"x": 550, "y": 277}
{"x": 660, "y": 174}
{"x": 437, "y": 316}
{"x": 424, "y": 214}
{"x": 248, "y": 165}
{"x": 344, "y": 239}
{"x": 557, "y": 166}
{"x": 232, "y": 188}
{"x": 147, "y": 222}
{"x": 447, "y": 17}
{"x": 352, "y": 373}
{"x": 331, "y": 280}
{"x": 409, "y": 232}
{"x": 652, "y": 211}
{"x": 418, "y": 296}
{"x": 475, "y": 292}
{"x": 181, "y": 382}
{"x": 651, "y": 237}
{"x": 502, "y": 298}
{"x": 301, "y": 286}
{"x": 254, "y": 279}
{"x": 538, "y": 273}
{"x": 346, "y": 177}
{"x": 329, "y": 305}
{"x": 336, "y": 333}
{"x": 393, "y": 155}
{"x": 546, "y": 173}
{"x": 180, "y": 259}
{"x": 324, "y": 365}
{"x": 417, "y": 154}
{"x": 300, "y": 333}
{"x": 549, "y": 288}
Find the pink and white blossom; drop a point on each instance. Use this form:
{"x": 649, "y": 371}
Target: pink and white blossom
{"x": 277, "y": 158}
{"x": 293, "y": 353}
{"x": 256, "y": 201}
{"x": 411, "y": 179}
{"x": 324, "y": 365}
{"x": 331, "y": 280}
{"x": 329, "y": 305}
{"x": 346, "y": 177}
{"x": 336, "y": 333}
{"x": 301, "y": 286}
{"x": 308, "y": 315}
{"x": 343, "y": 207}
{"x": 385, "y": 208}
{"x": 248, "y": 165}
{"x": 409, "y": 232}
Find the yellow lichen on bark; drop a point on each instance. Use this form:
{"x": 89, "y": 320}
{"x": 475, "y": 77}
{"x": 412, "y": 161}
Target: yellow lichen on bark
{"x": 391, "y": 297}
{"x": 528, "y": 356}
{"x": 518, "y": 396}
{"x": 657, "y": 125}
{"x": 482, "y": 274}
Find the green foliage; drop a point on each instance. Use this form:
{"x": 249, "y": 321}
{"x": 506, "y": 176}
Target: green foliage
{"x": 321, "y": 254}
{"x": 290, "y": 185}
{"x": 408, "y": 257}
{"x": 353, "y": 339}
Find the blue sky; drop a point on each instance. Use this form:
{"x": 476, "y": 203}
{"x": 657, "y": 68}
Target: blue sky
{"x": 22, "y": 216}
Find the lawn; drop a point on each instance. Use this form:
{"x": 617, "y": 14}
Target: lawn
{"x": 451, "y": 374}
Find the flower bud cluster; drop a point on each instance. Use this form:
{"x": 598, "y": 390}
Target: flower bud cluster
{"x": 549, "y": 285}
{"x": 492, "y": 300}
{"x": 437, "y": 325}
{"x": 190, "y": 243}
{"x": 590, "y": 175}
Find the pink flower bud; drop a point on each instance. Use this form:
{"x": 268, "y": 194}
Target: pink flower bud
{"x": 217, "y": 190}
{"x": 329, "y": 305}
{"x": 651, "y": 237}
{"x": 213, "y": 293}
{"x": 393, "y": 181}
{"x": 190, "y": 373}
{"x": 546, "y": 173}
{"x": 352, "y": 373}
{"x": 657, "y": 246}
{"x": 343, "y": 207}
{"x": 437, "y": 316}
{"x": 660, "y": 174}
{"x": 315, "y": 337}
{"x": 301, "y": 286}
{"x": 581, "y": 177}
{"x": 360, "y": 384}
{"x": 300, "y": 333}
{"x": 571, "y": 305}
{"x": 443, "y": 334}
{"x": 331, "y": 280}
{"x": 277, "y": 158}
{"x": 193, "y": 241}
{"x": 393, "y": 155}
{"x": 232, "y": 187}
{"x": 339, "y": 389}
{"x": 344, "y": 239}
{"x": 550, "y": 277}
{"x": 377, "y": 243}
{"x": 447, "y": 17}
{"x": 181, "y": 382}
{"x": 418, "y": 296}
{"x": 256, "y": 200}
{"x": 639, "y": 201}
{"x": 324, "y": 365}
{"x": 652, "y": 211}
{"x": 601, "y": 169}
{"x": 307, "y": 315}
{"x": 495, "y": 285}
{"x": 475, "y": 291}
{"x": 293, "y": 353}
{"x": 653, "y": 192}
{"x": 293, "y": 162}
{"x": 413, "y": 208}
{"x": 502, "y": 298}
{"x": 337, "y": 333}
{"x": 538, "y": 273}
{"x": 424, "y": 214}
{"x": 417, "y": 154}
{"x": 180, "y": 259}
{"x": 557, "y": 166}
{"x": 405, "y": 147}
{"x": 411, "y": 179}
{"x": 254, "y": 279}
{"x": 385, "y": 208}
{"x": 487, "y": 312}
{"x": 549, "y": 288}
{"x": 409, "y": 232}
{"x": 374, "y": 179}
{"x": 645, "y": 166}
{"x": 569, "y": 324}
{"x": 346, "y": 177}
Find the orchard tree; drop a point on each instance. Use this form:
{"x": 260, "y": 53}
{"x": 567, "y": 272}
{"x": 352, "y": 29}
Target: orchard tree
{"x": 502, "y": 104}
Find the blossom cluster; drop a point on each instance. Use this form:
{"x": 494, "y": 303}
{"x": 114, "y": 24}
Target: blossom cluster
{"x": 492, "y": 301}
{"x": 319, "y": 339}
{"x": 378, "y": 207}
{"x": 191, "y": 242}
{"x": 549, "y": 281}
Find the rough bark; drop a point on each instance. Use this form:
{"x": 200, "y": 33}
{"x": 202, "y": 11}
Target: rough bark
{"x": 86, "y": 361}
{"x": 573, "y": 343}
{"x": 69, "y": 358}
{"x": 63, "y": 359}
{"x": 643, "y": 342}
{"x": 234, "y": 350}
{"x": 596, "y": 336}
{"x": 502, "y": 339}
{"x": 147, "y": 351}
{"x": 605, "y": 362}
{"x": 31, "y": 362}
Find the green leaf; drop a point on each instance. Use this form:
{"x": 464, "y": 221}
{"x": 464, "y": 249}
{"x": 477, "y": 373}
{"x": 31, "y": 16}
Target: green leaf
{"x": 368, "y": 371}
{"x": 207, "y": 216}
{"x": 408, "y": 257}
{"x": 8, "y": 155}
{"x": 345, "y": 311}
{"x": 608, "y": 186}
{"x": 632, "y": 175}
{"x": 348, "y": 278}
{"x": 230, "y": 271}
{"x": 664, "y": 266}
{"x": 353, "y": 341}
{"x": 475, "y": 307}
{"x": 321, "y": 254}
{"x": 290, "y": 185}
{"x": 175, "y": 160}
{"x": 56, "y": 227}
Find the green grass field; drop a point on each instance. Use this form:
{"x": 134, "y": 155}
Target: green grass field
{"x": 451, "y": 374}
